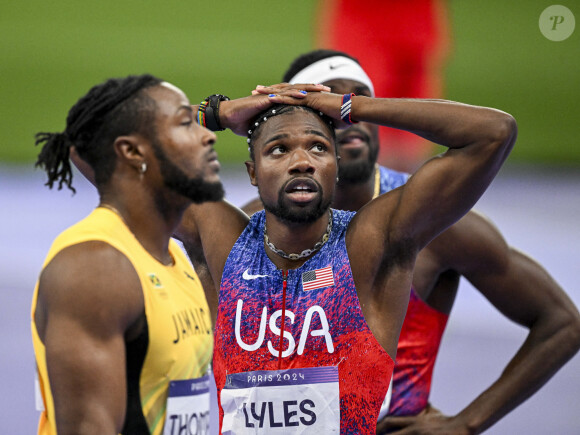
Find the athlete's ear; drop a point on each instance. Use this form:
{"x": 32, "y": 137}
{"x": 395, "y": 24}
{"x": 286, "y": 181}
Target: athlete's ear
{"x": 131, "y": 149}
{"x": 251, "y": 168}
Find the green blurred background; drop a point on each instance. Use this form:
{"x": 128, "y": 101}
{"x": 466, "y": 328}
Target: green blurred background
{"x": 51, "y": 53}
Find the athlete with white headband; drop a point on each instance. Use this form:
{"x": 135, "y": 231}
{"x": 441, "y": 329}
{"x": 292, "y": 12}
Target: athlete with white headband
{"x": 330, "y": 68}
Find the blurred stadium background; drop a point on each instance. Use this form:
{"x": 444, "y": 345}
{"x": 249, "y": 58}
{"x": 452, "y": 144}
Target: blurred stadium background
{"x": 51, "y": 53}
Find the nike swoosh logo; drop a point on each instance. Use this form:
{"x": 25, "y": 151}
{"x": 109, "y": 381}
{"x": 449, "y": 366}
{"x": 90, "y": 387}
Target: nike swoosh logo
{"x": 337, "y": 66}
{"x": 248, "y": 275}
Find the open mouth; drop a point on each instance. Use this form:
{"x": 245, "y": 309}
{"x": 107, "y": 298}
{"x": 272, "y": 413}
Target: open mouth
{"x": 353, "y": 139}
{"x": 301, "y": 189}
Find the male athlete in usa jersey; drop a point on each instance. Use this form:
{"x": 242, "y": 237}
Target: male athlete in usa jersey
{"x": 311, "y": 299}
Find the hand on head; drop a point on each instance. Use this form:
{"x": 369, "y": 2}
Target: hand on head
{"x": 321, "y": 99}
{"x": 237, "y": 114}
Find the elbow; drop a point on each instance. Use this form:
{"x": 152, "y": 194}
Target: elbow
{"x": 505, "y": 132}
{"x": 568, "y": 331}
{"x": 573, "y": 327}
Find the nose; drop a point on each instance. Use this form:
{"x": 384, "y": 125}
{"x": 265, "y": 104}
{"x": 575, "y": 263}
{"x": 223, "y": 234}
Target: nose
{"x": 300, "y": 162}
{"x": 208, "y": 137}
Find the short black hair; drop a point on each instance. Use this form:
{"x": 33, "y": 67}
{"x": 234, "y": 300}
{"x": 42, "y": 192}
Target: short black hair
{"x": 281, "y": 109}
{"x": 309, "y": 58}
{"x": 113, "y": 108}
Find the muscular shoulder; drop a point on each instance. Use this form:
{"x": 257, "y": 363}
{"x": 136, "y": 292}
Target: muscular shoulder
{"x": 376, "y": 232}
{"x": 93, "y": 284}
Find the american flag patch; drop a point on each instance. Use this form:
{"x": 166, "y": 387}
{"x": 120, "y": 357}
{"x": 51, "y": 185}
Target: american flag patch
{"x": 318, "y": 278}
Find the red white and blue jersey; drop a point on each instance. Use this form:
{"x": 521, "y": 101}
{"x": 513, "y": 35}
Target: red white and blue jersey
{"x": 417, "y": 351}
{"x": 419, "y": 339}
{"x": 269, "y": 385}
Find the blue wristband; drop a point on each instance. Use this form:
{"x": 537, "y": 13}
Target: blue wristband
{"x": 345, "y": 109}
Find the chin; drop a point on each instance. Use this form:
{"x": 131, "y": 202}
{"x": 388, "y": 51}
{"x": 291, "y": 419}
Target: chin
{"x": 303, "y": 213}
{"x": 212, "y": 178}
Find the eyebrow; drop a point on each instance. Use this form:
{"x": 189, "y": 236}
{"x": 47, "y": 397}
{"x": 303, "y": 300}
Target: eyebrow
{"x": 360, "y": 89}
{"x": 277, "y": 137}
{"x": 184, "y": 107}
{"x": 318, "y": 133}
{"x": 286, "y": 135}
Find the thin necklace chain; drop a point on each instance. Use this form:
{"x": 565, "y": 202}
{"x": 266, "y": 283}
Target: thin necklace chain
{"x": 377, "y": 189}
{"x": 306, "y": 252}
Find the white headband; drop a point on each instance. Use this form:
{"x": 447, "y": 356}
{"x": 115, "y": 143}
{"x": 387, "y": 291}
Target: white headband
{"x": 331, "y": 68}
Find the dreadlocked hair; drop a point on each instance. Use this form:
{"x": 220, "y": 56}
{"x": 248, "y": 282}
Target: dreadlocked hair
{"x": 281, "y": 109}
{"x": 114, "y": 108}
{"x": 309, "y": 58}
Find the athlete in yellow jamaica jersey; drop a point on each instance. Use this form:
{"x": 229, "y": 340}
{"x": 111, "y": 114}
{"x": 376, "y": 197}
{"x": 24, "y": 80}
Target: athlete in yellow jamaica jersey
{"x": 121, "y": 328}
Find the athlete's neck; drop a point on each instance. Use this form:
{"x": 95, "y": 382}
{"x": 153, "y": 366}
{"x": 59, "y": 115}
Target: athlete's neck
{"x": 293, "y": 238}
{"x": 150, "y": 226}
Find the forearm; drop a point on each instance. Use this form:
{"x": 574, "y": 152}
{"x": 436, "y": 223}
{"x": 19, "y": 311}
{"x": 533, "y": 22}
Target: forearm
{"x": 543, "y": 353}
{"x": 448, "y": 123}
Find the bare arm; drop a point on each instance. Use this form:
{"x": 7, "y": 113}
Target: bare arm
{"x": 525, "y": 293}
{"x": 189, "y": 236}
{"x": 446, "y": 187}
{"x": 208, "y": 232}
{"x": 89, "y": 301}
{"x": 385, "y": 236}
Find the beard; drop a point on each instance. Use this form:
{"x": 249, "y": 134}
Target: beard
{"x": 356, "y": 172}
{"x": 301, "y": 215}
{"x": 194, "y": 188}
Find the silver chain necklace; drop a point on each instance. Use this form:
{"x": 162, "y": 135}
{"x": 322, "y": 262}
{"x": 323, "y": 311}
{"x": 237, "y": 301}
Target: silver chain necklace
{"x": 306, "y": 252}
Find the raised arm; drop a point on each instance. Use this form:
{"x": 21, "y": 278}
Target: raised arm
{"x": 209, "y": 230}
{"x": 89, "y": 301}
{"x": 385, "y": 236}
{"x": 446, "y": 187}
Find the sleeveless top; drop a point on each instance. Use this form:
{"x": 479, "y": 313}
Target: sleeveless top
{"x": 419, "y": 339}
{"x": 417, "y": 351}
{"x": 176, "y": 343}
{"x": 324, "y": 328}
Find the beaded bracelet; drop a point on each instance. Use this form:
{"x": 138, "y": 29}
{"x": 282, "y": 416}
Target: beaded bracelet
{"x": 201, "y": 113}
{"x": 212, "y": 114}
{"x": 346, "y": 108}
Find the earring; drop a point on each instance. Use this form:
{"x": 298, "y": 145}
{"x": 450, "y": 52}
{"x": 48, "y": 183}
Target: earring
{"x": 143, "y": 168}
{"x": 337, "y": 179}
